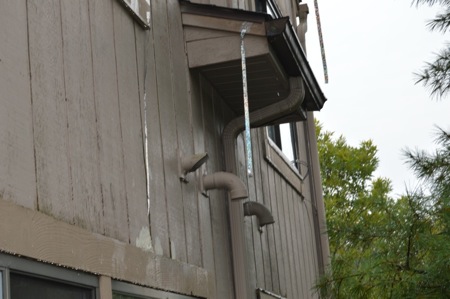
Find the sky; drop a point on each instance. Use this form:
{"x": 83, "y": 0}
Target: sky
{"x": 372, "y": 50}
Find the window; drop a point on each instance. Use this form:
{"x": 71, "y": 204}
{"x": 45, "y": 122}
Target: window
{"x": 281, "y": 151}
{"x": 268, "y": 7}
{"x": 284, "y": 136}
{"x": 140, "y": 10}
{"x": 21, "y": 278}
{"x": 261, "y": 5}
{"x": 27, "y": 286}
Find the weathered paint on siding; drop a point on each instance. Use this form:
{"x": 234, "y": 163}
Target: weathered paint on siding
{"x": 17, "y": 168}
{"x": 72, "y": 80}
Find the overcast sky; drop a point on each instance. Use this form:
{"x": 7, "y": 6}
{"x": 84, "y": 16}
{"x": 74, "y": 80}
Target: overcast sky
{"x": 372, "y": 49}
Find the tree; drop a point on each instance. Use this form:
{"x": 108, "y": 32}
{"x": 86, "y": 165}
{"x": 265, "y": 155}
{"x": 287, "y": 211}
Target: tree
{"x": 433, "y": 169}
{"x": 355, "y": 203}
{"x": 381, "y": 247}
{"x": 436, "y": 75}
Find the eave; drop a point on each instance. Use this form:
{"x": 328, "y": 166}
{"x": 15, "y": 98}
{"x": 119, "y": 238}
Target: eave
{"x": 273, "y": 54}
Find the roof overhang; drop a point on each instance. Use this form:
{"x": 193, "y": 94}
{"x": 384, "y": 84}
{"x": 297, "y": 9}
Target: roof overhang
{"x": 273, "y": 54}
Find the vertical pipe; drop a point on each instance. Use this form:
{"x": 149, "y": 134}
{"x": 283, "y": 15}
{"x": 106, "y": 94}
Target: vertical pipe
{"x": 323, "y": 250}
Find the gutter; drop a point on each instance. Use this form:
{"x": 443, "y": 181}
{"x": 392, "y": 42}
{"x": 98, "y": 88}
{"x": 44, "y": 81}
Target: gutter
{"x": 283, "y": 39}
{"x": 258, "y": 118}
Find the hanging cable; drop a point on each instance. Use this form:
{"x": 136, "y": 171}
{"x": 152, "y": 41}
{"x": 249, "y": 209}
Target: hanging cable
{"x": 322, "y": 47}
{"x": 248, "y": 141}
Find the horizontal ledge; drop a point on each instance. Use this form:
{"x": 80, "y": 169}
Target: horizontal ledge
{"x": 33, "y": 234}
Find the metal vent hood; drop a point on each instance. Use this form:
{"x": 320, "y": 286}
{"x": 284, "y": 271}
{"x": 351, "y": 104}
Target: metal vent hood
{"x": 273, "y": 54}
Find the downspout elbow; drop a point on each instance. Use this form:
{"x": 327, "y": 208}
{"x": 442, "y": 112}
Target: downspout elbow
{"x": 226, "y": 180}
{"x": 253, "y": 208}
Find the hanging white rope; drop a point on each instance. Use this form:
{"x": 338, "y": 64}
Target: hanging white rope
{"x": 248, "y": 140}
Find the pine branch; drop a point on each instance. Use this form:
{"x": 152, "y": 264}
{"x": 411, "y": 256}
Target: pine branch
{"x": 441, "y": 22}
{"x": 431, "y": 2}
{"x": 436, "y": 75}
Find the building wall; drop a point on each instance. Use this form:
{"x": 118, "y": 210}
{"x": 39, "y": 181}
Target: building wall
{"x": 74, "y": 79}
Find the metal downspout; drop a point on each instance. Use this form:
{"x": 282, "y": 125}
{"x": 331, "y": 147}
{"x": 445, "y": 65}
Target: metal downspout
{"x": 316, "y": 181}
{"x": 257, "y": 118}
{"x": 316, "y": 185}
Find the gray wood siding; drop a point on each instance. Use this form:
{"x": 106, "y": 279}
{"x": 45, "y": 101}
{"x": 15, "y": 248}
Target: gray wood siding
{"x": 74, "y": 79}
{"x": 17, "y": 163}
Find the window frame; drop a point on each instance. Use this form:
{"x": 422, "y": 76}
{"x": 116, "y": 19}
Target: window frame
{"x": 128, "y": 289}
{"x": 278, "y": 160}
{"x": 144, "y": 21}
{"x": 3, "y": 283}
{"x": 41, "y": 270}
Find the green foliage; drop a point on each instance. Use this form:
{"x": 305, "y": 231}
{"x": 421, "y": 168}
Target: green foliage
{"x": 381, "y": 247}
{"x": 436, "y": 75}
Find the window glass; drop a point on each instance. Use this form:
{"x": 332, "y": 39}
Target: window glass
{"x": 285, "y": 138}
{"x": 260, "y": 5}
{"x": 287, "y": 142}
{"x": 24, "y": 287}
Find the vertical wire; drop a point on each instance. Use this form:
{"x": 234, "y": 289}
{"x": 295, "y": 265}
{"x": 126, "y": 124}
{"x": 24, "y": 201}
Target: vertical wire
{"x": 248, "y": 140}
{"x": 322, "y": 47}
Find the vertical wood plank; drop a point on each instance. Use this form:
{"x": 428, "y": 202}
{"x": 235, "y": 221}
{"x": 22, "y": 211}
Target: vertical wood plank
{"x": 206, "y": 238}
{"x": 110, "y": 151}
{"x": 308, "y": 256}
{"x": 104, "y": 287}
{"x": 218, "y": 199}
{"x": 269, "y": 195}
{"x": 54, "y": 186}
{"x": 82, "y": 131}
{"x": 131, "y": 124}
{"x": 252, "y": 235}
{"x": 17, "y": 164}
{"x": 224, "y": 114}
{"x": 262, "y": 196}
{"x": 276, "y": 230}
{"x": 181, "y": 96}
{"x": 158, "y": 210}
{"x": 168, "y": 131}
{"x": 300, "y": 239}
{"x": 293, "y": 244}
{"x": 310, "y": 247}
{"x": 286, "y": 236}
